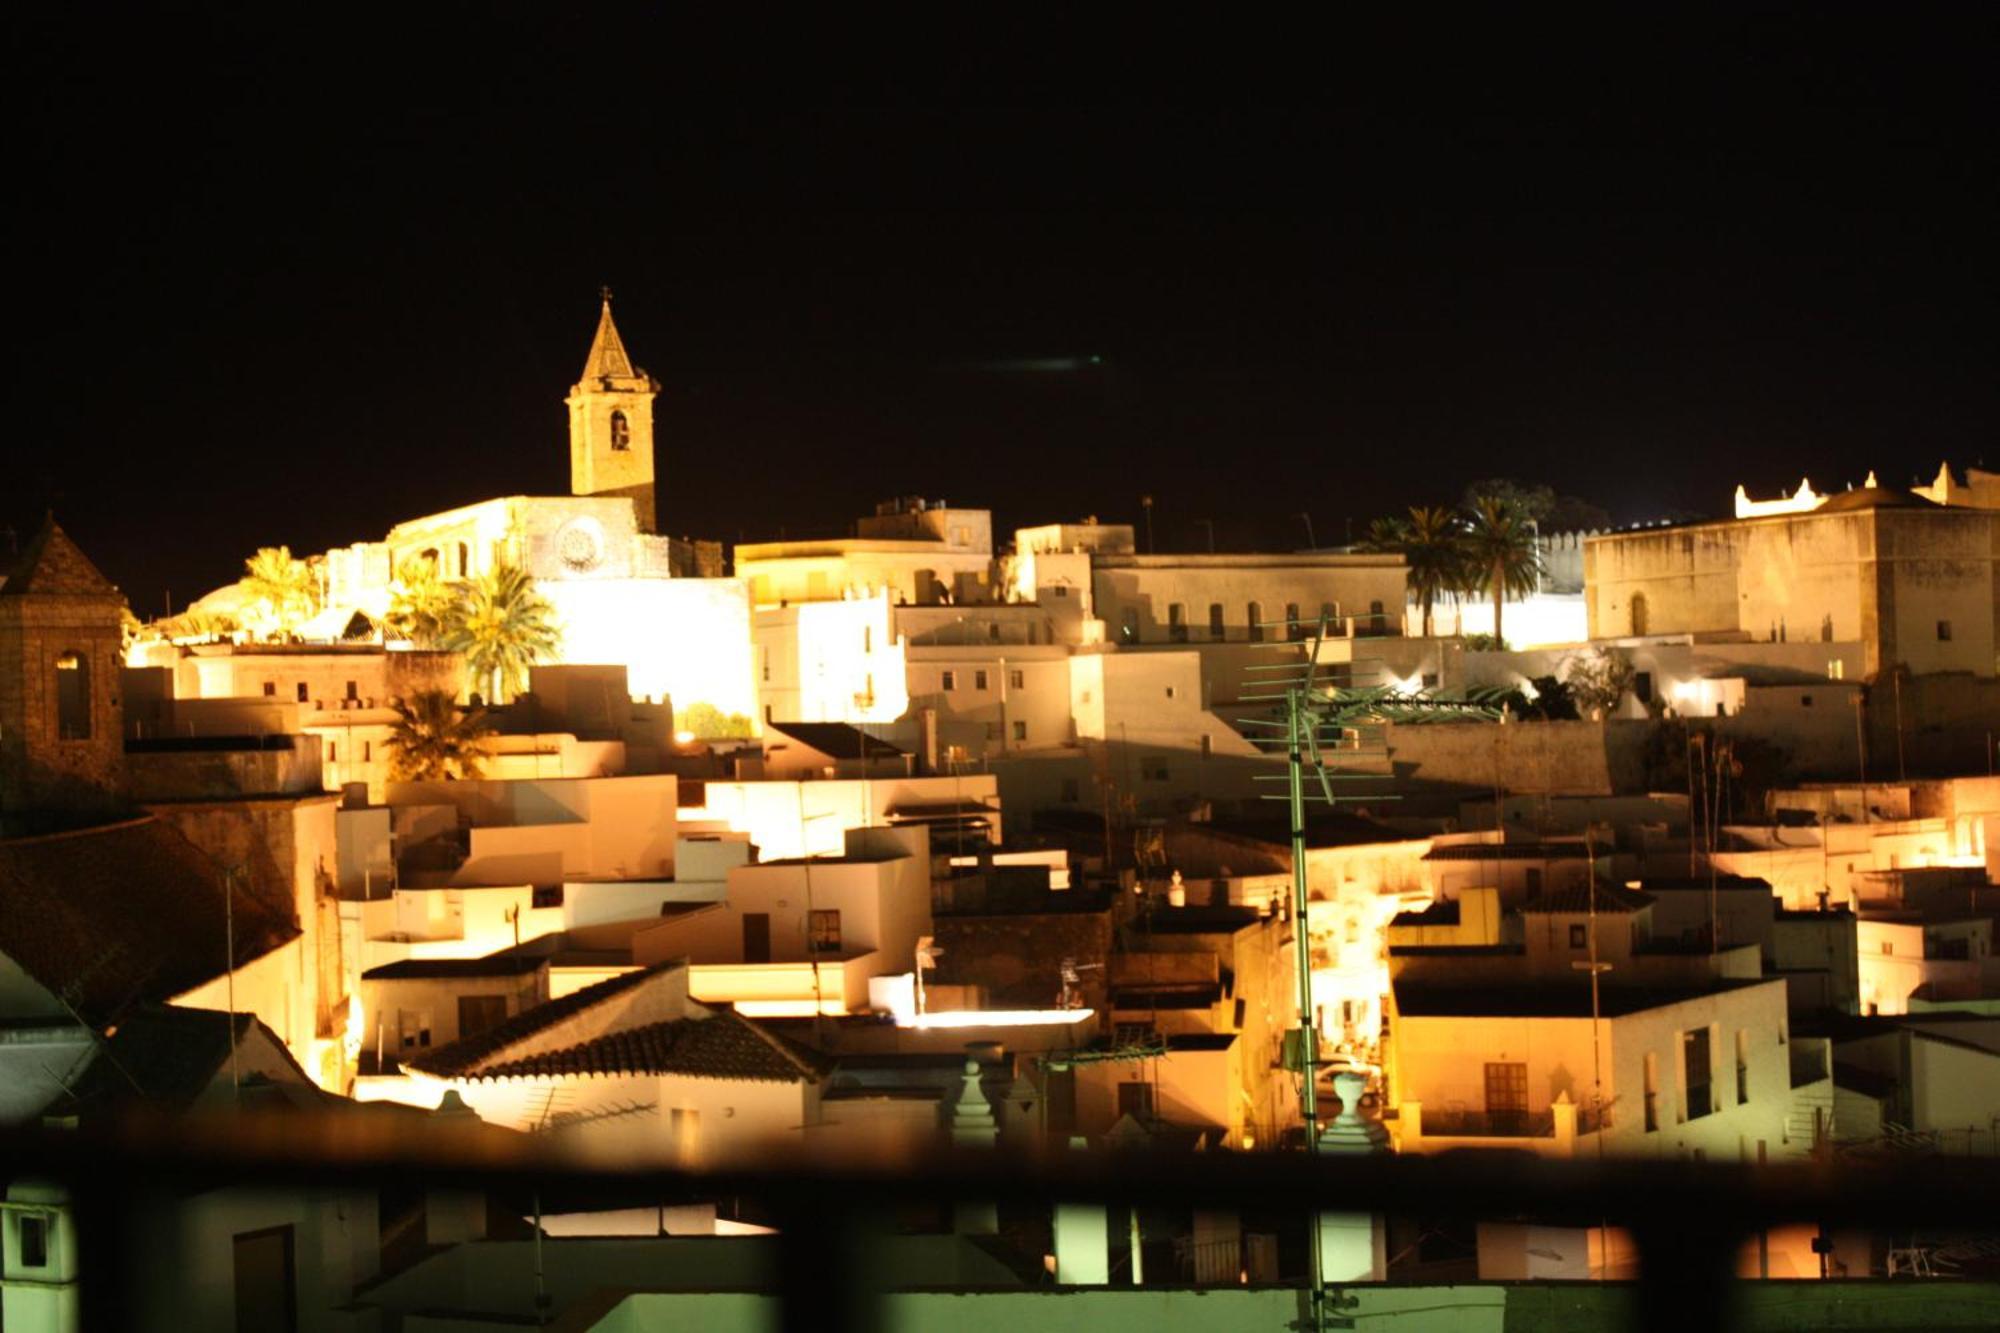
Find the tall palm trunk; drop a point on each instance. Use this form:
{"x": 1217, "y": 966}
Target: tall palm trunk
{"x": 1499, "y": 596}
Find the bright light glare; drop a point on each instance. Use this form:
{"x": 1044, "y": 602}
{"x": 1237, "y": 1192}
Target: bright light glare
{"x": 684, "y": 738}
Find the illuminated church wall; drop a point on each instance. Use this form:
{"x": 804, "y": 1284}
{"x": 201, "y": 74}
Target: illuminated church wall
{"x": 688, "y": 638}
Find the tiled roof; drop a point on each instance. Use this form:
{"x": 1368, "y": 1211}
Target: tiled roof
{"x": 467, "y": 1053}
{"x": 494, "y": 965}
{"x": 111, "y": 916}
{"x": 723, "y": 1045}
{"x": 166, "y": 1056}
{"x": 1576, "y": 898}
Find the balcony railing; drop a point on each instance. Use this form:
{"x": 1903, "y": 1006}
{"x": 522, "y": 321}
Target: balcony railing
{"x": 1449, "y": 1124}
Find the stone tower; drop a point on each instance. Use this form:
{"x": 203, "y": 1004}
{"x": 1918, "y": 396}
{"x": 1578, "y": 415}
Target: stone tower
{"x": 62, "y": 726}
{"x": 611, "y": 424}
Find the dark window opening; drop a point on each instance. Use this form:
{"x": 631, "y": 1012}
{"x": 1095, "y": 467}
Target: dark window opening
{"x": 1697, "y": 1073}
{"x": 1642, "y": 686}
{"x": 547, "y": 895}
{"x": 477, "y": 1013}
{"x": 756, "y": 937}
{"x": 305, "y": 694}
{"x": 1136, "y": 1100}
{"x": 34, "y": 1233}
{"x": 1578, "y": 937}
{"x": 1944, "y": 631}
{"x": 823, "y": 931}
{"x": 73, "y": 697}
{"x": 1216, "y": 629}
{"x": 266, "y": 1282}
{"x": 621, "y": 432}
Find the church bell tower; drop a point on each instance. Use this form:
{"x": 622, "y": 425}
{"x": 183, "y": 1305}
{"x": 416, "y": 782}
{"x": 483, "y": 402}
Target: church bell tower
{"x": 62, "y": 727}
{"x": 611, "y": 424}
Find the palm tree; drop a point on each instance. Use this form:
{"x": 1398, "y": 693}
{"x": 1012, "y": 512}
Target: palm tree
{"x": 503, "y": 626}
{"x": 1432, "y": 543}
{"x": 1501, "y": 553}
{"x": 433, "y": 740}
{"x": 284, "y": 589}
{"x": 420, "y": 603}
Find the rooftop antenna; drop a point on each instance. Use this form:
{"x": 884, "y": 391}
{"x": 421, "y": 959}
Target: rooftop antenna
{"x": 1316, "y": 710}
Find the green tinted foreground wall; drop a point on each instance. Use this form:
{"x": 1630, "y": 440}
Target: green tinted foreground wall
{"x": 1528, "y": 1307}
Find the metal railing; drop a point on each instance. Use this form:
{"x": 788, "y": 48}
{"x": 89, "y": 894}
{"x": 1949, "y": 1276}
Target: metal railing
{"x": 1686, "y": 1219}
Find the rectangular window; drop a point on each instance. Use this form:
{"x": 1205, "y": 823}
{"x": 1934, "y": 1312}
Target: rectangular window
{"x": 992, "y": 731}
{"x": 1016, "y": 679}
{"x": 303, "y": 695}
{"x": 684, "y": 1130}
{"x": 1697, "y": 1073}
{"x": 477, "y": 1013}
{"x": 34, "y": 1233}
{"x": 1294, "y": 628}
{"x": 993, "y": 630}
{"x": 1944, "y": 631}
{"x": 1506, "y": 1096}
{"x": 353, "y": 690}
{"x": 1020, "y": 731}
{"x": 266, "y": 1282}
{"x": 756, "y": 937}
{"x": 270, "y": 689}
{"x": 1256, "y": 613}
{"x": 414, "y": 1027}
{"x": 1577, "y": 938}
{"x": 332, "y": 752}
{"x": 1805, "y": 701}
{"x": 547, "y": 895}
{"x": 1642, "y": 686}
{"x": 950, "y": 680}
{"x": 979, "y": 681}
{"x": 1742, "y": 1066}
{"x": 367, "y": 751}
{"x": 1156, "y": 770}
{"x": 1072, "y": 791}
{"x": 1216, "y": 629}
{"x": 1652, "y": 1092}
{"x": 1136, "y": 1100}
{"x": 823, "y": 931}
{"x": 1177, "y": 627}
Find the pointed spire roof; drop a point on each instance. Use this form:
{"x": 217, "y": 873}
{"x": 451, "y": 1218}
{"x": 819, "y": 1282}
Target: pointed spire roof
{"x": 607, "y": 359}
{"x": 54, "y": 566}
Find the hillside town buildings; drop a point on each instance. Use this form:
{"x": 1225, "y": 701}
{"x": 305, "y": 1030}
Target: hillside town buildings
{"x": 973, "y": 851}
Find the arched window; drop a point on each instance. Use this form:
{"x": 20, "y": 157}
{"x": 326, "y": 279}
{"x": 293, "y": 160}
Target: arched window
{"x": 73, "y": 697}
{"x": 1639, "y": 616}
{"x": 621, "y": 432}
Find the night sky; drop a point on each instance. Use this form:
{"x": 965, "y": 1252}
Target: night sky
{"x": 292, "y": 287}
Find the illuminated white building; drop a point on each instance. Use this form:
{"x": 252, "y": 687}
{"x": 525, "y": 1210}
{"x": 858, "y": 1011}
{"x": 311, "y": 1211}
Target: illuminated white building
{"x": 622, "y": 594}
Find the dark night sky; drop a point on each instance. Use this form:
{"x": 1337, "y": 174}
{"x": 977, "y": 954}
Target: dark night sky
{"x": 278, "y": 286}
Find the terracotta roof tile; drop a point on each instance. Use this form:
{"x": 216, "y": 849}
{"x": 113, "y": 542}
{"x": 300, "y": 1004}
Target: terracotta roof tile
{"x": 724, "y": 1046}
{"x": 466, "y": 1054}
{"x": 112, "y": 916}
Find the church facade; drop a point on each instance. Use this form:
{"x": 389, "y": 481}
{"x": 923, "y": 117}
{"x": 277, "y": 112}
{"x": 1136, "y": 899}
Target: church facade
{"x": 623, "y": 594}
